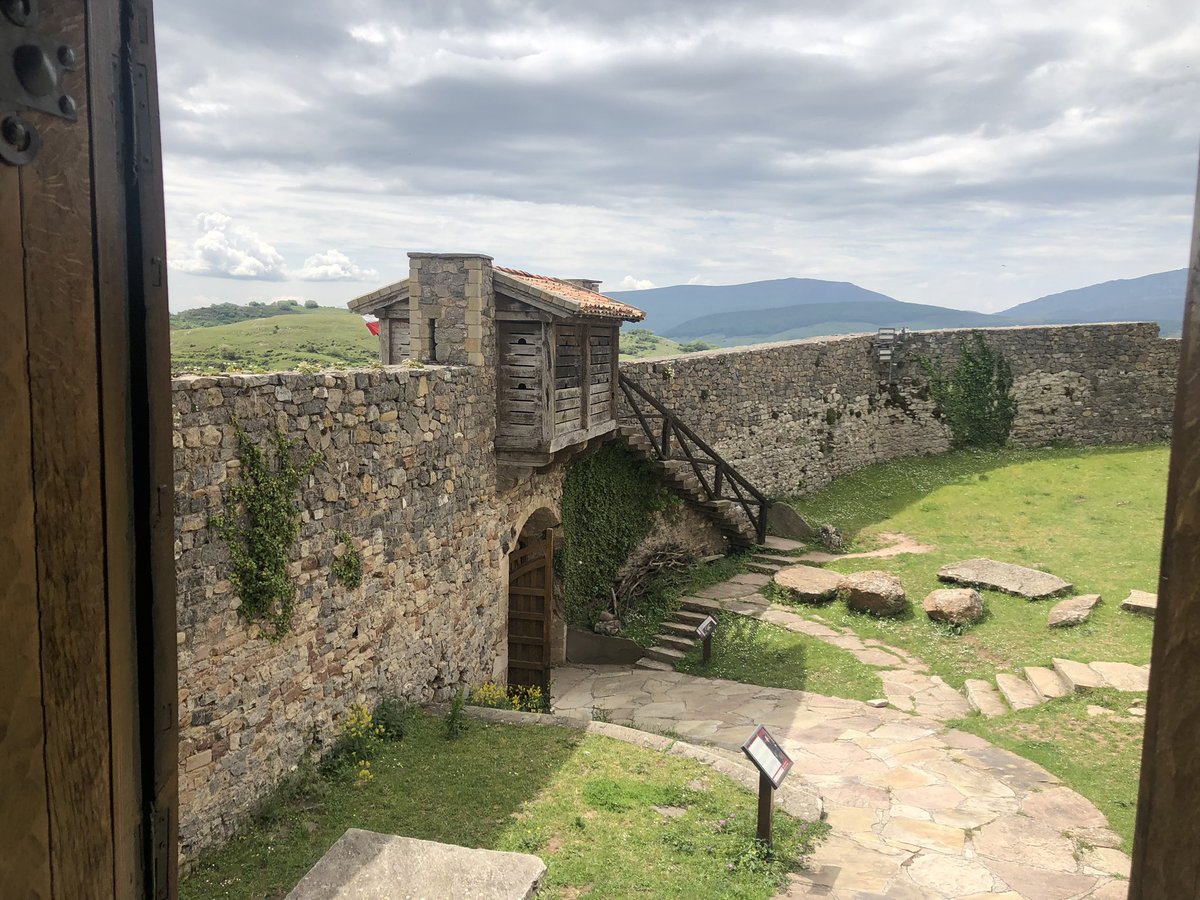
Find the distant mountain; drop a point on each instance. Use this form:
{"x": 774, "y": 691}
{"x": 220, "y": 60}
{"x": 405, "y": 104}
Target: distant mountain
{"x": 668, "y": 307}
{"x": 1151, "y": 298}
{"x": 812, "y": 319}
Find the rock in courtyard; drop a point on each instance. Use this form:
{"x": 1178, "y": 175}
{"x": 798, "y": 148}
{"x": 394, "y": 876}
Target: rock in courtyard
{"x": 878, "y": 593}
{"x": 1000, "y": 576}
{"x": 957, "y": 606}
{"x": 1072, "y": 611}
{"x": 808, "y": 584}
{"x": 1141, "y": 602}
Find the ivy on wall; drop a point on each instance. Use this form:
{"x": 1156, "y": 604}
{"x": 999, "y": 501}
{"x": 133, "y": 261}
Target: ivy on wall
{"x": 261, "y": 524}
{"x": 975, "y": 398}
{"x": 347, "y": 568}
{"x": 610, "y": 499}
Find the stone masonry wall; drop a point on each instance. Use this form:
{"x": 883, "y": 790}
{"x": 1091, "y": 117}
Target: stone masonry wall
{"x": 408, "y": 470}
{"x": 793, "y": 416}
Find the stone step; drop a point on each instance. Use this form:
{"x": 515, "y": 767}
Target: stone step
{"x": 647, "y": 663}
{"x": 701, "y": 605}
{"x": 982, "y": 696}
{"x": 1079, "y": 676}
{"x": 775, "y": 559}
{"x": 690, "y": 618}
{"x": 1046, "y": 682}
{"x": 1017, "y": 691}
{"x": 686, "y": 629}
{"x": 783, "y": 545}
{"x": 665, "y": 654}
{"x": 674, "y": 642}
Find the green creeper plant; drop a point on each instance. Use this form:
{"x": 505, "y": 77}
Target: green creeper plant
{"x": 261, "y": 524}
{"x": 347, "y": 568}
{"x": 975, "y": 398}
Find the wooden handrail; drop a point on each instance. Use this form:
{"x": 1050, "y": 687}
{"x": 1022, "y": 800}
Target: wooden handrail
{"x": 722, "y": 473}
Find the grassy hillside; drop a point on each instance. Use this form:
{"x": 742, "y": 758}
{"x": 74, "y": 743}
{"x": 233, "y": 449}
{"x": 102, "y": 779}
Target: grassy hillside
{"x": 325, "y": 337}
{"x": 641, "y": 343}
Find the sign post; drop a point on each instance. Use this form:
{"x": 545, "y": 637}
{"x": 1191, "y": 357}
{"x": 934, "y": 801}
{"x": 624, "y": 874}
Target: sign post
{"x": 773, "y": 766}
{"x": 704, "y": 631}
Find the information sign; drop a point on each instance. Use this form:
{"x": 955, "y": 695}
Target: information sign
{"x": 706, "y": 628}
{"x": 764, "y": 751}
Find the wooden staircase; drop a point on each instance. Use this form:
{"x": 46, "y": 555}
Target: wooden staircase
{"x": 693, "y": 469}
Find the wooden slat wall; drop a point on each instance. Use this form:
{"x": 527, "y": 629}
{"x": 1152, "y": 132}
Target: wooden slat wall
{"x": 568, "y": 379}
{"x": 521, "y": 385}
{"x": 601, "y": 367}
{"x": 398, "y": 340}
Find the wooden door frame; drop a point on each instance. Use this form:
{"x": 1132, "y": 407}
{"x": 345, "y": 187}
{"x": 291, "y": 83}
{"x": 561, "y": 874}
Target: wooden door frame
{"x": 88, "y": 789}
{"x": 545, "y": 543}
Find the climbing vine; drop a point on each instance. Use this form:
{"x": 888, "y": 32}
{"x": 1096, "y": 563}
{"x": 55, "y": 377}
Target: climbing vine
{"x": 347, "y": 568}
{"x": 609, "y": 502}
{"x": 975, "y": 398}
{"x": 261, "y": 527}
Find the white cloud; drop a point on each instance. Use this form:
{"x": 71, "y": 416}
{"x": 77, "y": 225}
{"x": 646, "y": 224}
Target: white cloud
{"x": 629, "y": 283}
{"x": 228, "y": 250}
{"x": 333, "y": 265}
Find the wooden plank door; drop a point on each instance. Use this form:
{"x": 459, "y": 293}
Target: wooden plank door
{"x": 530, "y": 605}
{"x": 87, "y": 708}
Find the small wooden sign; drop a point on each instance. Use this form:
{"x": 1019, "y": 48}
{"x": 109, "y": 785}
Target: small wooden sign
{"x": 706, "y": 628}
{"x": 765, "y": 752}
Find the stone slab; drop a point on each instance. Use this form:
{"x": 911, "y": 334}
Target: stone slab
{"x": 808, "y": 584}
{"x": 1141, "y": 602}
{"x": 958, "y": 606}
{"x": 984, "y": 698}
{"x": 1072, "y": 611}
{"x": 1046, "y": 682}
{"x": 1124, "y": 676}
{"x": 781, "y": 544}
{"x": 1001, "y": 576}
{"x": 366, "y": 865}
{"x": 1017, "y": 691}
{"x": 1078, "y": 676}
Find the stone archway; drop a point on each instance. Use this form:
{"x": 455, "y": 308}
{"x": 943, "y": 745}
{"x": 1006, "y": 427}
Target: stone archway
{"x": 535, "y": 633}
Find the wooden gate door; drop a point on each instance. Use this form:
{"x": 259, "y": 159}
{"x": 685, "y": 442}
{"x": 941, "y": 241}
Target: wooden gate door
{"x": 88, "y": 690}
{"x": 530, "y": 604}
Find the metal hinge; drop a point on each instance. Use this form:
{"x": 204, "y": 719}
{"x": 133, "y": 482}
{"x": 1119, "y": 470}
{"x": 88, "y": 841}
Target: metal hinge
{"x": 32, "y": 68}
{"x": 161, "y": 846}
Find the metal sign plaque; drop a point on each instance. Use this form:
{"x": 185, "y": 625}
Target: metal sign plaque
{"x": 764, "y": 751}
{"x": 706, "y": 628}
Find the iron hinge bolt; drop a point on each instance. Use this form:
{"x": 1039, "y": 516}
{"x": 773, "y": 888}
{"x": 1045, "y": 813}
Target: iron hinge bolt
{"x": 19, "y": 12}
{"x": 66, "y": 56}
{"x": 16, "y": 133}
{"x": 66, "y": 105}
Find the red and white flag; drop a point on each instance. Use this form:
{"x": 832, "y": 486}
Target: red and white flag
{"x": 372, "y": 323}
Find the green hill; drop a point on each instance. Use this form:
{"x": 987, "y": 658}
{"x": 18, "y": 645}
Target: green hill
{"x": 326, "y": 337}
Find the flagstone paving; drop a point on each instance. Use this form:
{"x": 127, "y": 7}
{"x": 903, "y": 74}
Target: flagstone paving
{"x": 916, "y": 810}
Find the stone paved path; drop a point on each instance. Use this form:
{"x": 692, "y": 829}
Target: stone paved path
{"x": 916, "y": 811}
{"x": 907, "y": 682}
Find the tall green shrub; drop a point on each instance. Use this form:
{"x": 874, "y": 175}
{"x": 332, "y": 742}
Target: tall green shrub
{"x": 609, "y": 502}
{"x": 975, "y": 398}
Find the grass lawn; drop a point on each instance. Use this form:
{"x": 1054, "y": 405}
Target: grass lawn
{"x": 1098, "y": 756}
{"x": 755, "y": 652}
{"x": 583, "y": 803}
{"x": 1091, "y": 515}
{"x": 325, "y": 337}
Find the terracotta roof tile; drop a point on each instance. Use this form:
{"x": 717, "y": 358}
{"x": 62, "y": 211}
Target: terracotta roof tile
{"x": 589, "y": 302}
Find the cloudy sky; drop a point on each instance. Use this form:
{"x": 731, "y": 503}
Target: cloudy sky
{"x": 966, "y": 154}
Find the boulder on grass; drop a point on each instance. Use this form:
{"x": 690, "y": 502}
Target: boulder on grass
{"x": 956, "y": 606}
{"x": 1141, "y": 602}
{"x": 808, "y": 584}
{"x": 1072, "y": 611}
{"x": 878, "y": 593}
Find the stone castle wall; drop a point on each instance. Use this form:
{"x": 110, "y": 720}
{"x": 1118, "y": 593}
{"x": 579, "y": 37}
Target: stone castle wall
{"x": 409, "y": 471}
{"x": 793, "y": 416}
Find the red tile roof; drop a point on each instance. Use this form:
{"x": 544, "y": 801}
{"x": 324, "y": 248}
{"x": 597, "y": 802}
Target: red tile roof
{"x": 590, "y": 303}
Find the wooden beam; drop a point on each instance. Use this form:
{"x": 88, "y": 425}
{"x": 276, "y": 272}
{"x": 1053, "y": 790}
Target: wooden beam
{"x": 1165, "y": 863}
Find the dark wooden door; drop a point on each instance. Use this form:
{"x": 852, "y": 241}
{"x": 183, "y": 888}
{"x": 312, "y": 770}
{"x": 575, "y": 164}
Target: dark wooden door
{"x": 87, "y": 651}
{"x": 530, "y": 605}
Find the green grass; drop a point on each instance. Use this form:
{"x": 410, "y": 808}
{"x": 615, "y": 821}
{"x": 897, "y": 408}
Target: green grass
{"x": 1092, "y": 516}
{"x": 641, "y": 343}
{"x": 1098, "y": 756}
{"x": 583, "y": 803}
{"x": 325, "y": 337}
{"x": 755, "y": 652}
